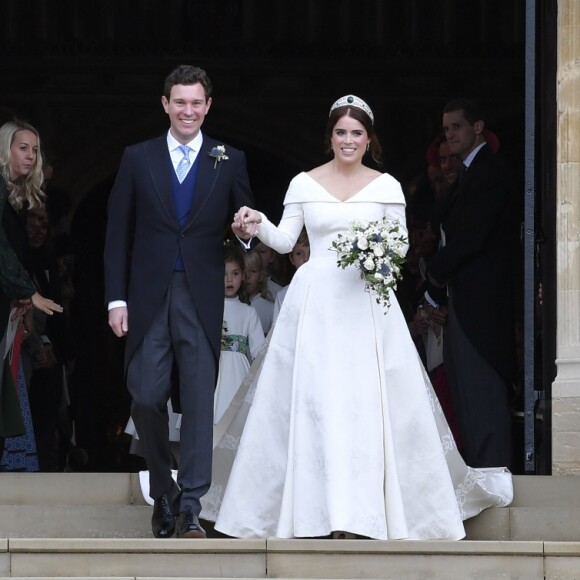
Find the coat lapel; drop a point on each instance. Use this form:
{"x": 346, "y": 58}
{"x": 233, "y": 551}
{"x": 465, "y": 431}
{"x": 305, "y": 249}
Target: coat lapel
{"x": 206, "y": 179}
{"x": 159, "y": 164}
{"x": 455, "y": 194}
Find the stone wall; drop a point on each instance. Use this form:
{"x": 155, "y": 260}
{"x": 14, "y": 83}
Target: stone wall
{"x": 566, "y": 388}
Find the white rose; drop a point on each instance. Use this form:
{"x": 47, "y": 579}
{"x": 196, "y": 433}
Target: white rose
{"x": 362, "y": 243}
{"x": 379, "y": 277}
{"x": 378, "y": 251}
{"x": 369, "y": 264}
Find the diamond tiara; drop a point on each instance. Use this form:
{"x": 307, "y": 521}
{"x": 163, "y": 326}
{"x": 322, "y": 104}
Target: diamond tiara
{"x": 351, "y": 100}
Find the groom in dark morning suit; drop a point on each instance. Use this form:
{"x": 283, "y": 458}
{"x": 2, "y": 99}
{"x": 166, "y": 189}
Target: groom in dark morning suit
{"x": 474, "y": 263}
{"x": 164, "y": 279}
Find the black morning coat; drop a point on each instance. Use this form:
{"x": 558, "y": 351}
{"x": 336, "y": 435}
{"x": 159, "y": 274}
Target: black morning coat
{"x": 476, "y": 259}
{"x": 144, "y": 235}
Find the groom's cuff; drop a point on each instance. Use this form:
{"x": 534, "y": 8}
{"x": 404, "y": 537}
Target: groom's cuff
{"x": 117, "y": 304}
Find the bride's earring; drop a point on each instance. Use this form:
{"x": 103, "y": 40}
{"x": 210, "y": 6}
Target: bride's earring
{"x": 368, "y": 145}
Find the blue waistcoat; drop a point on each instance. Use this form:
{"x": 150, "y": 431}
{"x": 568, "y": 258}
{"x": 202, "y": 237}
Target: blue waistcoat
{"x": 183, "y": 194}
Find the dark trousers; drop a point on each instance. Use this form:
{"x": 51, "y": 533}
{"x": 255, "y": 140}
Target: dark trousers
{"x": 175, "y": 337}
{"x": 45, "y": 395}
{"x": 480, "y": 399}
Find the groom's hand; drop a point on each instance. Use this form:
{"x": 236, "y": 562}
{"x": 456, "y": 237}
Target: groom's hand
{"x": 119, "y": 320}
{"x": 246, "y": 222}
{"x": 239, "y": 231}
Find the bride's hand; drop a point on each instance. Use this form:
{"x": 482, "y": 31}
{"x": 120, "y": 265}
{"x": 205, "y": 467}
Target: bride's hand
{"x": 246, "y": 221}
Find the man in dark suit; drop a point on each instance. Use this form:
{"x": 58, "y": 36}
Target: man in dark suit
{"x": 474, "y": 262}
{"x": 164, "y": 281}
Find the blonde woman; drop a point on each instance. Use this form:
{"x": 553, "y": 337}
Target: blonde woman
{"x": 20, "y": 181}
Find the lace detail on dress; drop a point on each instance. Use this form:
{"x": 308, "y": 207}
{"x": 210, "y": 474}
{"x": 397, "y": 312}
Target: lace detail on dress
{"x": 464, "y": 488}
{"x": 432, "y": 531}
{"x": 229, "y": 442}
{"x": 447, "y": 442}
{"x": 212, "y": 501}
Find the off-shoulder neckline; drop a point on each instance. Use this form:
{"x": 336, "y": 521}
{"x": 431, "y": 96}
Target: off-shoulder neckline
{"x": 348, "y": 198}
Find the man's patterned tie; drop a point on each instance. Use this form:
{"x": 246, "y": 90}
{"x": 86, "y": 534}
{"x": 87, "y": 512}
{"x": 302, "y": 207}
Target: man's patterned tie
{"x": 184, "y": 164}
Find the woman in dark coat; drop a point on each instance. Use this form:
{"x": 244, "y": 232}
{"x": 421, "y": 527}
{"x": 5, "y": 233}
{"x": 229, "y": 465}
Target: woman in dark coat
{"x": 20, "y": 181}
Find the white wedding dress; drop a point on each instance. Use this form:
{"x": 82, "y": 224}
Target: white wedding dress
{"x": 341, "y": 427}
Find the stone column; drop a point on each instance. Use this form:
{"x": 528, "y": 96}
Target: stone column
{"x": 566, "y": 387}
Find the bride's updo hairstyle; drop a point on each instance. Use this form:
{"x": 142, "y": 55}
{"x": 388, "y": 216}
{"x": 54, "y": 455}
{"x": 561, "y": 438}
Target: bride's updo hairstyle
{"x": 357, "y": 113}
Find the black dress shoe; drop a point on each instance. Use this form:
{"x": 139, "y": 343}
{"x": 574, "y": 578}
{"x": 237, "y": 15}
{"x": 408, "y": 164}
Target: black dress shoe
{"x": 188, "y": 525}
{"x": 164, "y": 510}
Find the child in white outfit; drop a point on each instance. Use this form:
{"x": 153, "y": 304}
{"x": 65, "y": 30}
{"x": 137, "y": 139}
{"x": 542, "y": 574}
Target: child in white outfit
{"x": 242, "y": 336}
{"x": 256, "y": 285}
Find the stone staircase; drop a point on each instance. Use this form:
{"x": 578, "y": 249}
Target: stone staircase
{"x": 86, "y": 525}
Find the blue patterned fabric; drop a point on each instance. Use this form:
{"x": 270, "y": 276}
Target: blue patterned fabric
{"x": 20, "y": 452}
{"x": 183, "y": 165}
{"x": 183, "y": 195}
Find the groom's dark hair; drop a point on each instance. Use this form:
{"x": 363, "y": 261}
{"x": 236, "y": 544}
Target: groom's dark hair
{"x": 186, "y": 74}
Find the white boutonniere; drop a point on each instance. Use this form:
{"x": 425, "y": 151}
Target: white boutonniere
{"x": 218, "y": 153}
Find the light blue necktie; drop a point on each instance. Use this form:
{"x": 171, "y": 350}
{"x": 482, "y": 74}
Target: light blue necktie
{"x": 184, "y": 165}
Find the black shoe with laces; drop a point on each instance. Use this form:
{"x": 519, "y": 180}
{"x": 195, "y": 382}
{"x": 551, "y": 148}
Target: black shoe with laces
{"x": 188, "y": 525}
{"x": 164, "y": 509}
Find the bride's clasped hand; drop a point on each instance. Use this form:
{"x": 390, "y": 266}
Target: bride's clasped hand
{"x": 246, "y": 222}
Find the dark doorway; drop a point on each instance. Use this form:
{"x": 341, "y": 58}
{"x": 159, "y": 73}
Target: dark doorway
{"x": 89, "y": 76}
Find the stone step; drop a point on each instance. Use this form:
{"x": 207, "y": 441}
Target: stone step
{"x": 124, "y": 489}
{"x": 329, "y": 559}
{"x": 133, "y": 521}
{"x": 75, "y": 521}
{"x": 70, "y": 489}
{"x": 111, "y": 506}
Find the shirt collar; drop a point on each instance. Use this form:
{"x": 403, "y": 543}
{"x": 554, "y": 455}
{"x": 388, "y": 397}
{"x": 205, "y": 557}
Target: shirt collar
{"x": 471, "y": 156}
{"x": 194, "y": 144}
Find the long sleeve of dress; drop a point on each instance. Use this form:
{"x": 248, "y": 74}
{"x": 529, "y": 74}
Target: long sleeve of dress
{"x": 14, "y": 280}
{"x": 283, "y": 237}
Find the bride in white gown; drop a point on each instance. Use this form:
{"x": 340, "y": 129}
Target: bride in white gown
{"x": 343, "y": 429}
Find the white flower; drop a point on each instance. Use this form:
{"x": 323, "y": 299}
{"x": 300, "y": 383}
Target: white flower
{"x": 218, "y": 153}
{"x": 379, "y": 260}
{"x": 362, "y": 243}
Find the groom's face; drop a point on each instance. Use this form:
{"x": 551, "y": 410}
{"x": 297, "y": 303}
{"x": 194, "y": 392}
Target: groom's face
{"x": 187, "y": 107}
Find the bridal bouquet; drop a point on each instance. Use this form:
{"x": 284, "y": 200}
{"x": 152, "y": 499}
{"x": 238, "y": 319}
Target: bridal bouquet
{"x": 377, "y": 249}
